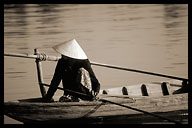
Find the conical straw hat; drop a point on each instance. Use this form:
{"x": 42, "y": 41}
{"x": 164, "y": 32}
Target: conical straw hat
{"x": 71, "y": 49}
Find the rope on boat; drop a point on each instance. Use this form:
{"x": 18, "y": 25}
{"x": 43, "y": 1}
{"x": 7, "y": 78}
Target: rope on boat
{"x": 93, "y": 110}
{"x": 139, "y": 110}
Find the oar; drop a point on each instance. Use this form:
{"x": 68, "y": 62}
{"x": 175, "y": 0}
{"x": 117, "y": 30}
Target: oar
{"x": 44, "y": 57}
{"x": 138, "y": 71}
{"x": 126, "y": 106}
{"x": 41, "y": 56}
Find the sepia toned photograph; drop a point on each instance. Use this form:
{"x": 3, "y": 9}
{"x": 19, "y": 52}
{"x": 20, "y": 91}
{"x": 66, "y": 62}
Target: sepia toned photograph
{"x": 96, "y": 64}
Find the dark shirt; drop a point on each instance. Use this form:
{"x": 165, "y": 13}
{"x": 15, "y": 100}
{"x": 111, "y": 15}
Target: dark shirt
{"x": 66, "y": 70}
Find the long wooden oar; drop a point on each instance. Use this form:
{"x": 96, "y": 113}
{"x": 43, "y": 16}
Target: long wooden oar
{"x": 44, "y": 57}
{"x": 126, "y": 106}
{"x": 138, "y": 71}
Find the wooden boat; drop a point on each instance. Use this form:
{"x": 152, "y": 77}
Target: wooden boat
{"x": 155, "y": 98}
{"x": 142, "y": 103}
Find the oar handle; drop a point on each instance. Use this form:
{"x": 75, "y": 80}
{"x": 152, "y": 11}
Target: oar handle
{"x": 41, "y": 56}
{"x": 21, "y": 55}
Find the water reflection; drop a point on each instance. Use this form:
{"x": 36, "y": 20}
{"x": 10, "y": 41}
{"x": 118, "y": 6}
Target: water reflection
{"x": 174, "y": 16}
{"x": 48, "y": 13}
{"x": 176, "y": 31}
{"x": 173, "y": 11}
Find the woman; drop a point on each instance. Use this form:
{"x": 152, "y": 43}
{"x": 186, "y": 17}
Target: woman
{"x": 74, "y": 69}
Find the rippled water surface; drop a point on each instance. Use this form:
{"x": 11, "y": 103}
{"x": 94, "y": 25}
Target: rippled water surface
{"x": 144, "y": 37}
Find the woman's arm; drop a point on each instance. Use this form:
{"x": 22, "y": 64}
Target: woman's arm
{"x": 54, "y": 82}
{"x": 94, "y": 81}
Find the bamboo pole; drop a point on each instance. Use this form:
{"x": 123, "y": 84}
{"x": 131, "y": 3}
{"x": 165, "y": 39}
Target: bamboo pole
{"x": 44, "y": 57}
{"x": 40, "y": 74}
{"x": 138, "y": 71}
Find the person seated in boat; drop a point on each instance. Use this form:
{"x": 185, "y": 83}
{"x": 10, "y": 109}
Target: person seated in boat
{"x": 75, "y": 72}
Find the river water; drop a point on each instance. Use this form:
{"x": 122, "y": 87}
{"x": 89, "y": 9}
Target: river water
{"x": 146, "y": 37}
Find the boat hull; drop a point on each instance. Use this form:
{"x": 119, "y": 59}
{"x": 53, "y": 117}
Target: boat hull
{"x": 34, "y": 111}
